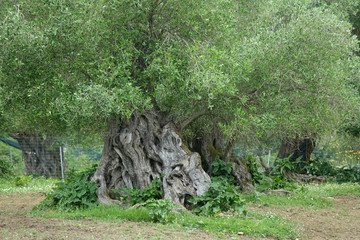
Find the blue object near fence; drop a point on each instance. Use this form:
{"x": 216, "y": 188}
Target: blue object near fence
{"x": 10, "y": 142}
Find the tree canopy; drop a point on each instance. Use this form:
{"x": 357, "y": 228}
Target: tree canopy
{"x": 253, "y": 68}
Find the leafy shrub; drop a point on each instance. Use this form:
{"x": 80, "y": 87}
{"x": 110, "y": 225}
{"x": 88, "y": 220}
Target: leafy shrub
{"x": 279, "y": 182}
{"x": 323, "y": 167}
{"x": 5, "y": 168}
{"x": 160, "y": 210}
{"x": 343, "y": 175}
{"x": 221, "y": 168}
{"x": 151, "y": 198}
{"x": 23, "y": 181}
{"x": 74, "y": 193}
{"x": 220, "y": 197}
{"x": 275, "y": 178}
{"x": 135, "y": 195}
{"x": 320, "y": 167}
{"x": 284, "y": 164}
{"x": 258, "y": 177}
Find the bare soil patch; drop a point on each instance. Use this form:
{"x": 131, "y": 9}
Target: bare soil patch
{"x": 15, "y": 223}
{"x": 342, "y": 221}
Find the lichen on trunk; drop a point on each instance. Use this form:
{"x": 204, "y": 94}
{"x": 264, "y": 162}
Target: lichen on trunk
{"x": 145, "y": 147}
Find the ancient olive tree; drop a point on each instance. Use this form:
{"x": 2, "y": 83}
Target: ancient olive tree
{"x": 166, "y": 76}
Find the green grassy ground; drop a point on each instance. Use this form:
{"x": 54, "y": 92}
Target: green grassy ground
{"x": 254, "y": 224}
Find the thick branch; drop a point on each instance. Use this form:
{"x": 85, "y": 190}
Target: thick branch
{"x": 192, "y": 119}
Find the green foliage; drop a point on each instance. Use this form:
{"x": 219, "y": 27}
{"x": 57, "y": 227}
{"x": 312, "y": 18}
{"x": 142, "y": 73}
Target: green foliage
{"x": 23, "y": 181}
{"x": 79, "y": 63}
{"x": 221, "y": 168}
{"x": 275, "y": 178}
{"x": 320, "y": 167}
{"x": 258, "y": 176}
{"x": 283, "y": 165}
{"x": 323, "y": 167}
{"x": 343, "y": 175}
{"x": 259, "y": 179}
{"x": 279, "y": 182}
{"x": 5, "y": 161}
{"x": 5, "y": 168}
{"x": 160, "y": 210}
{"x": 135, "y": 195}
{"x": 220, "y": 197}
{"x": 75, "y": 192}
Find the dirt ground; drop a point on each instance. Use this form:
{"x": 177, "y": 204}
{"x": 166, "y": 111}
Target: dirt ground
{"x": 16, "y": 223}
{"x": 340, "y": 222}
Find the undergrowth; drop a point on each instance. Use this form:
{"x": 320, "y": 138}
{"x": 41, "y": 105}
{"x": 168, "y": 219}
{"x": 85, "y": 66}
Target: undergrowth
{"x": 274, "y": 179}
{"x": 340, "y": 181}
{"x": 135, "y": 195}
{"x": 323, "y": 167}
{"x": 222, "y": 196}
{"x": 75, "y": 192}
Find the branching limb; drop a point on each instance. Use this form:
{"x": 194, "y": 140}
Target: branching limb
{"x": 192, "y": 118}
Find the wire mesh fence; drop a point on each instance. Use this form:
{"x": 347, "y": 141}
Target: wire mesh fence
{"x": 46, "y": 157}
{"x": 53, "y": 157}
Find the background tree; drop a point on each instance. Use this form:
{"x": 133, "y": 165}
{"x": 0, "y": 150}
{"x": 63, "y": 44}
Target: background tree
{"x": 151, "y": 70}
{"x": 301, "y": 147}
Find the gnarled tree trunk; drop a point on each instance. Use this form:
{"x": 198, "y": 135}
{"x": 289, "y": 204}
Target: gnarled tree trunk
{"x": 145, "y": 147}
{"x": 39, "y": 154}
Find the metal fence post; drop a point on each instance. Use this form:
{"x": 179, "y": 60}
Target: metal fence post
{"x": 61, "y": 163}
{"x": 11, "y": 160}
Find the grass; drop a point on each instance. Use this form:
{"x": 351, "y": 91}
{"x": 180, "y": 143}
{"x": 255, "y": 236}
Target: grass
{"x": 333, "y": 189}
{"x": 254, "y": 224}
{"x": 308, "y": 196}
{"x": 26, "y": 184}
{"x": 300, "y": 200}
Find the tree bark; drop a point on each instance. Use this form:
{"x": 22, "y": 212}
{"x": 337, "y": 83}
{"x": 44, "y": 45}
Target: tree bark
{"x": 241, "y": 173}
{"x": 211, "y": 147}
{"x": 146, "y": 147}
{"x": 296, "y": 148}
{"x": 39, "y": 155}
